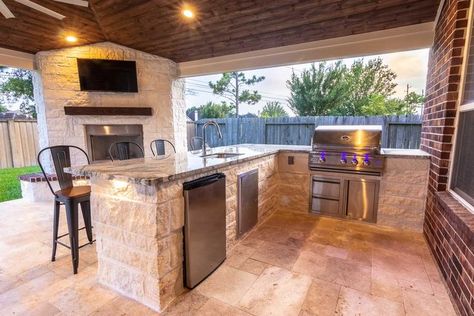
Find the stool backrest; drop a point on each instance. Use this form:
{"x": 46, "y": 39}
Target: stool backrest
{"x": 61, "y": 156}
{"x": 159, "y": 145}
{"x": 196, "y": 143}
{"x": 123, "y": 151}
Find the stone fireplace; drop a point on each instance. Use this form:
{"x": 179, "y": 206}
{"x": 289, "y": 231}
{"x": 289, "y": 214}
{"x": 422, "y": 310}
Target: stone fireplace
{"x": 100, "y": 137}
{"x": 56, "y": 85}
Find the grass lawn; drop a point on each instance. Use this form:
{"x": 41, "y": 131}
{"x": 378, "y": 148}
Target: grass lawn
{"x": 9, "y": 183}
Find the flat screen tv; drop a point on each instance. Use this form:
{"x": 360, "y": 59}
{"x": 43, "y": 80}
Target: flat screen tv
{"x": 107, "y": 75}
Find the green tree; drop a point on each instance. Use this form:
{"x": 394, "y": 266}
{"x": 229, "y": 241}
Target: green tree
{"x": 212, "y": 110}
{"x": 3, "y": 108}
{"x": 273, "y": 109}
{"x": 234, "y": 87}
{"x": 364, "y": 80}
{"x": 380, "y": 105}
{"x": 318, "y": 90}
{"x": 340, "y": 90}
{"x": 414, "y": 102}
{"x": 18, "y": 87}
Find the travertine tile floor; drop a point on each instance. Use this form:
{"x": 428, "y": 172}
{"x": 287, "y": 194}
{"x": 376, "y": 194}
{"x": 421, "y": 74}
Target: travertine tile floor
{"x": 290, "y": 265}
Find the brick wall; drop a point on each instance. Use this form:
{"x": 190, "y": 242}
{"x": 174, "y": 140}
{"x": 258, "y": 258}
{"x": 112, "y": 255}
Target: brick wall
{"x": 449, "y": 227}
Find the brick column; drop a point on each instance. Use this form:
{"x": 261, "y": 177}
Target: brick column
{"x": 448, "y": 226}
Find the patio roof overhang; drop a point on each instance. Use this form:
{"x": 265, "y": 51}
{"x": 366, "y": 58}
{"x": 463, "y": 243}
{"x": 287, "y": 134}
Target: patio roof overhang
{"x": 380, "y": 42}
{"x": 220, "y": 27}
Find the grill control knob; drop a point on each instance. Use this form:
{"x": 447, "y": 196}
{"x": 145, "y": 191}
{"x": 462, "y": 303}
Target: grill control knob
{"x": 354, "y": 161}
{"x": 343, "y": 161}
{"x": 366, "y": 162}
{"x": 322, "y": 159}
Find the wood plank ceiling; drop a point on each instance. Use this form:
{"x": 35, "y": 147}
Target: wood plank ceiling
{"x": 220, "y": 27}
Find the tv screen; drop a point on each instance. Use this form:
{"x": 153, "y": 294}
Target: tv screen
{"x": 107, "y": 75}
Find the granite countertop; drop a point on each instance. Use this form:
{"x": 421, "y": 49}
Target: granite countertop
{"x": 151, "y": 171}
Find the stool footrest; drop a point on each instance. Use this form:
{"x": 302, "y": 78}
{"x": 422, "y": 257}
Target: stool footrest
{"x": 68, "y": 247}
{"x": 67, "y": 234}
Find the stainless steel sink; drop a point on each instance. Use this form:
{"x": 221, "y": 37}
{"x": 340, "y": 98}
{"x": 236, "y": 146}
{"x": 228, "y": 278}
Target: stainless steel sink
{"x": 221, "y": 155}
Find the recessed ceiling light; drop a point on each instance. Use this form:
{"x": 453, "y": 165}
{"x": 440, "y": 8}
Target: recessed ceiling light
{"x": 71, "y": 39}
{"x": 188, "y": 13}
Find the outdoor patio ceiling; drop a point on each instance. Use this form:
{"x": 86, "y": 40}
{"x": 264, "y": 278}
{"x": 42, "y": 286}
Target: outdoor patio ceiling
{"x": 217, "y": 27}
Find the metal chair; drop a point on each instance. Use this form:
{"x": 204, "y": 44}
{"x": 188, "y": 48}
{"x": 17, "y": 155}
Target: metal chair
{"x": 124, "y": 151}
{"x": 196, "y": 143}
{"x": 159, "y": 145}
{"x": 70, "y": 196}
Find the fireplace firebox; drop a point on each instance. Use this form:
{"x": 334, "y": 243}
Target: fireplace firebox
{"x": 100, "y": 137}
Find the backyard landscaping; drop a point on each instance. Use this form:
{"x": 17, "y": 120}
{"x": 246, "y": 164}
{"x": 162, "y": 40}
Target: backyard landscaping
{"x": 9, "y": 183}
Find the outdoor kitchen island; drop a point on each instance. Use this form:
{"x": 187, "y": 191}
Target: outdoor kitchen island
{"x": 138, "y": 207}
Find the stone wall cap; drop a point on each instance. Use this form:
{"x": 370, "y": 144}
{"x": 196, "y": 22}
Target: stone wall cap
{"x": 39, "y": 177}
{"x": 404, "y": 153}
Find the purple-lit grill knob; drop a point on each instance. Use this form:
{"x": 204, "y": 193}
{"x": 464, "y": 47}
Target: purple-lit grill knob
{"x": 366, "y": 160}
{"x": 322, "y": 157}
{"x": 354, "y": 160}
{"x": 343, "y": 158}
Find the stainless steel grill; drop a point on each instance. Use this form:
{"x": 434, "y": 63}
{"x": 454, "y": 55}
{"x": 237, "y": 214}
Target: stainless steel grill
{"x": 348, "y": 149}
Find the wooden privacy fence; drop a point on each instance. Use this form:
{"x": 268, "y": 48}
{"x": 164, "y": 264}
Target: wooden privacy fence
{"x": 191, "y": 132}
{"x": 399, "y": 131}
{"x": 18, "y": 143}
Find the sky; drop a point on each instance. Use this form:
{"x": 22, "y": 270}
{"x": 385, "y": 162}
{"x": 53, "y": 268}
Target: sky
{"x": 410, "y": 66}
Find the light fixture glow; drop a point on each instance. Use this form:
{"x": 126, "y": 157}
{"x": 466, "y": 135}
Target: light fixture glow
{"x": 71, "y": 39}
{"x": 188, "y": 13}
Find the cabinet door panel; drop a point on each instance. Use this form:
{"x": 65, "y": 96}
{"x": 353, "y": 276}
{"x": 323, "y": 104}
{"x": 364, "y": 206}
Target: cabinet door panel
{"x": 361, "y": 203}
{"x": 247, "y": 215}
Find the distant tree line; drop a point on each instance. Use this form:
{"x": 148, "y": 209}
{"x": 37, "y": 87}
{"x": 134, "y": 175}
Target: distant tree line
{"x": 361, "y": 89}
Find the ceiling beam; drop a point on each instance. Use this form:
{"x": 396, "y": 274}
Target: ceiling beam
{"x": 15, "y": 59}
{"x": 81, "y": 3}
{"x": 41, "y": 9}
{"x": 5, "y": 11}
{"x": 380, "y": 42}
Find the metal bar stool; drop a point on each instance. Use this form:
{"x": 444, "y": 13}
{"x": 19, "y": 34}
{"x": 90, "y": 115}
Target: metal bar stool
{"x": 196, "y": 143}
{"x": 125, "y": 151}
{"x": 70, "y": 196}
{"x": 159, "y": 145}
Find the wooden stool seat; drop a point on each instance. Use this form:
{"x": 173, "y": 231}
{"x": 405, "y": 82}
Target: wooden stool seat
{"x": 74, "y": 192}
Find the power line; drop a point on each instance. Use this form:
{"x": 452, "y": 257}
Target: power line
{"x": 264, "y": 98}
{"x": 262, "y": 92}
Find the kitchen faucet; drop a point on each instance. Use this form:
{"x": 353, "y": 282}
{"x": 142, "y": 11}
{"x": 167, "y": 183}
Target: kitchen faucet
{"x": 211, "y": 122}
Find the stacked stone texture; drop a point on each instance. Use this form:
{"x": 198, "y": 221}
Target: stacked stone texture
{"x": 403, "y": 193}
{"x": 56, "y": 85}
{"x": 139, "y": 229}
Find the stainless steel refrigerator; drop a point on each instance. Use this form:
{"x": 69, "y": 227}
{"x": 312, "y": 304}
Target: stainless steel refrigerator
{"x": 205, "y": 227}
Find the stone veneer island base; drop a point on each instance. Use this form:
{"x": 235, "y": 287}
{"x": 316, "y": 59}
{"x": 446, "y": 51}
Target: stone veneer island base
{"x": 138, "y": 211}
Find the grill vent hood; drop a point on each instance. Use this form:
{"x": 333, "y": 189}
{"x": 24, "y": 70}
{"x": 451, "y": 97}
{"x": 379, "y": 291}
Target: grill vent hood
{"x": 343, "y": 137}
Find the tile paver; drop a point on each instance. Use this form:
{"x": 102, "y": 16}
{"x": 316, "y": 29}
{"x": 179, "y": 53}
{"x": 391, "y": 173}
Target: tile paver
{"x": 292, "y": 264}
